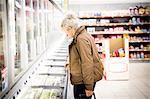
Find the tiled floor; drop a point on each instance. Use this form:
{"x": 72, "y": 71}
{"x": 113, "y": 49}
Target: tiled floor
{"x": 137, "y": 87}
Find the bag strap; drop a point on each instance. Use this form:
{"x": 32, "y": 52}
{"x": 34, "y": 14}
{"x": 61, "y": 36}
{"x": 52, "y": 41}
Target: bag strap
{"x": 94, "y": 95}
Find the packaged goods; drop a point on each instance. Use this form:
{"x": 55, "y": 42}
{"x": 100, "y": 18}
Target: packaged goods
{"x": 32, "y": 93}
{"x": 51, "y": 94}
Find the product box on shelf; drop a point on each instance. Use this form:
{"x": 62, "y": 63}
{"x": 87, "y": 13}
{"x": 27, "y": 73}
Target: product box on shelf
{"x": 58, "y": 81}
{"x": 31, "y": 93}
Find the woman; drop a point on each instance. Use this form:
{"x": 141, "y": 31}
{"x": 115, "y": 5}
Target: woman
{"x": 84, "y": 61}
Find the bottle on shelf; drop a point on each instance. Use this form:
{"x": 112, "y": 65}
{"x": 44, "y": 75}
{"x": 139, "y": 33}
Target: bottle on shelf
{"x": 142, "y": 54}
{"x": 138, "y": 55}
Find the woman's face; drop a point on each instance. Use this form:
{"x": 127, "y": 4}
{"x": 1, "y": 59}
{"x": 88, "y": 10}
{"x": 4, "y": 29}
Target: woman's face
{"x": 70, "y": 32}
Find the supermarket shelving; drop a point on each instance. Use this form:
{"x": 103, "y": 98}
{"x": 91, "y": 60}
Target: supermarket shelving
{"x": 97, "y": 22}
{"x": 140, "y": 59}
{"x": 117, "y": 24}
{"x": 138, "y": 41}
{"x": 119, "y": 32}
{"x": 138, "y": 50}
{"x": 109, "y": 17}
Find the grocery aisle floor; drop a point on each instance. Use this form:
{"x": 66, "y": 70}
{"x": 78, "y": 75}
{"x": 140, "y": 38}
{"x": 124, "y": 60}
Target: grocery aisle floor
{"x": 137, "y": 87}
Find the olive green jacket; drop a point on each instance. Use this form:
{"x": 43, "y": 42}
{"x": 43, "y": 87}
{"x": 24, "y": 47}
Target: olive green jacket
{"x": 84, "y": 61}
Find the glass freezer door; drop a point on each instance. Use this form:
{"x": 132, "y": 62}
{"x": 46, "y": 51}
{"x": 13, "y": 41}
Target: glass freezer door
{"x": 18, "y": 23}
{"x": 30, "y": 29}
{"x": 35, "y": 25}
{"x": 3, "y": 31}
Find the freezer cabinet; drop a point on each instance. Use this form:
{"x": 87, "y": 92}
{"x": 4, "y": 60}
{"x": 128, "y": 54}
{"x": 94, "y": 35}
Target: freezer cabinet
{"x": 46, "y": 88}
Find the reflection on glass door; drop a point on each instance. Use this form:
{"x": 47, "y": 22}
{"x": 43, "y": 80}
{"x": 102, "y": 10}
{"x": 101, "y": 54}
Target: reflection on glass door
{"x": 29, "y": 28}
{"x": 39, "y": 34}
{"x": 3, "y": 67}
{"x": 45, "y": 22}
{"x": 49, "y": 23}
{"x": 35, "y": 24}
{"x": 18, "y": 8}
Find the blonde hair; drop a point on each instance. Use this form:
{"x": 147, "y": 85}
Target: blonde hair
{"x": 70, "y": 21}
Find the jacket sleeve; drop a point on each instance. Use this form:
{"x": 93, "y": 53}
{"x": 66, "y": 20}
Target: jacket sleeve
{"x": 85, "y": 53}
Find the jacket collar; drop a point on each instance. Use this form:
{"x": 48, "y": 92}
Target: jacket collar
{"x": 79, "y": 31}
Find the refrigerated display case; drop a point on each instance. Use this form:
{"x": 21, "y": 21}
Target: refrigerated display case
{"x": 49, "y": 82}
{"x": 27, "y": 33}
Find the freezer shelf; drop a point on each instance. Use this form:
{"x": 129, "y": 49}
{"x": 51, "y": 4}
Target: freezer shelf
{"x": 46, "y": 87}
{"x": 63, "y": 48}
{"x": 49, "y": 81}
{"x": 60, "y": 54}
{"x": 61, "y": 51}
{"x": 55, "y": 58}
{"x": 57, "y": 70}
{"x": 51, "y": 70}
{"x": 55, "y": 63}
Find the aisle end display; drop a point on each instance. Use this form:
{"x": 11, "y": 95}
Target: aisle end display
{"x": 116, "y": 62}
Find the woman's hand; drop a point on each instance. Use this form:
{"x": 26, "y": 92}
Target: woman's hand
{"x": 66, "y": 67}
{"x": 88, "y": 93}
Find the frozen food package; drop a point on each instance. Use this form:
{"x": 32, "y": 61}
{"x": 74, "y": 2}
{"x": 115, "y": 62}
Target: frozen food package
{"x": 51, "y": 94}
{"x": 55, "y": 81}
{"x": 32, "y": 93}
{"x": 38, "y": 80}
